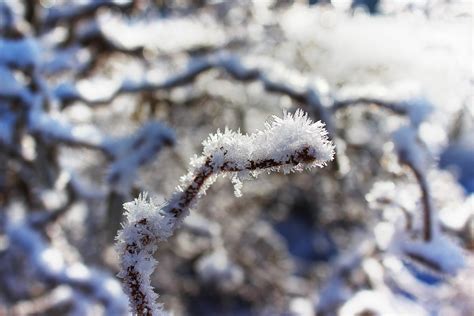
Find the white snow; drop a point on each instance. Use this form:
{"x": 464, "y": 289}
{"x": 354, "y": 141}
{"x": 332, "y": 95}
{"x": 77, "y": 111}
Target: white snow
{"x": 456, "y": 217}
{"x": 410, "y": 148}
{"x": 217, "y": 268}
{"x": 48, "y": 263}
{"x": 380, "y": 303}
{"x": 132, "y": 152}
{"x": 441, "y": 250}
{"x": 182, "y": 33}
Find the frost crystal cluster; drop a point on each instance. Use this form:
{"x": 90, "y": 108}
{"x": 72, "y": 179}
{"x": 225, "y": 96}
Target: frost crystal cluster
{"x": 287, "y": 144}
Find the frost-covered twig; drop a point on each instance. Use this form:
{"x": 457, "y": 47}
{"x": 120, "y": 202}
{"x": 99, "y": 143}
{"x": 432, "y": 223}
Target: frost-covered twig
{"x": 286, "y": 144}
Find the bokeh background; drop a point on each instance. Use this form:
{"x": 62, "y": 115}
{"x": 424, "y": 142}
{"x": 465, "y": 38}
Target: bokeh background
{"x": 89, "y": 89}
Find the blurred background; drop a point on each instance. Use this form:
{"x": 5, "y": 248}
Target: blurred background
{"x": 101, "y": 100}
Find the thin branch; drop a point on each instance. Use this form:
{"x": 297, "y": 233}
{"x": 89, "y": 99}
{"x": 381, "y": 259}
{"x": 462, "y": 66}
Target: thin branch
{"x": 393, "y": 106}
{"x": 274, "y": 80}
{"x": 288, "y": 144}
{"x": 412, "y": 154}
{"x": 426, "y": 201}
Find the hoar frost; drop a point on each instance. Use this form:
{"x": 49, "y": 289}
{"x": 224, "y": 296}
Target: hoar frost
{"x": 280, "y": 139}
{"x": 286, "y": 144}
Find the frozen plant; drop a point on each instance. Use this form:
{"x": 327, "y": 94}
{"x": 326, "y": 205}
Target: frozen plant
{"x": 77, "y": 78}
{"x": 287, "y": 144}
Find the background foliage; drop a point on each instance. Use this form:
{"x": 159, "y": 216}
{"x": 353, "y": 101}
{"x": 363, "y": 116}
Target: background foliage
{"x": 101, "y": 100}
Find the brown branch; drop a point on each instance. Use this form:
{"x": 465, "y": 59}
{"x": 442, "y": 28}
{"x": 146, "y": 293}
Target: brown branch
{"x": 425, "y": 196}
{"x": 426, "y": 201}
{"x": 227, "y": 62}
{"x": 148, "y": 224}
{"x": 187, "y": 197}
{"x": 395, "y": 107}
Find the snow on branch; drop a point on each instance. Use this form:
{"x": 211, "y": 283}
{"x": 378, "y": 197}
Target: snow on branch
{"x": 188, "y": 33}
{"x": 53, "y": 128}
{"x": 50, "y": 266}
{"x": 21, "y": 53}
{"x": 126, "y": 154}
{"x": 73, "y": 12}
{"x": 134, "y": 151}
{"x": 411, "y": 153}
{"x": 402, "y": 98}
{"x": 274, "y": 76}
{"x": 435, "y": 251}
{"x": 417, "y": 108}
{"x": 287, "y": 144}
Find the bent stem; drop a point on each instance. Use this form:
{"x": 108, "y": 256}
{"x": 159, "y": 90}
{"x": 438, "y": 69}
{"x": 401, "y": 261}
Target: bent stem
{"x": 427, "y": 209}
{"x": 289, "y": 144}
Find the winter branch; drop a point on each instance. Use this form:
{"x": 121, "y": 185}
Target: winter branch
{"x": 288, "y": 144}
